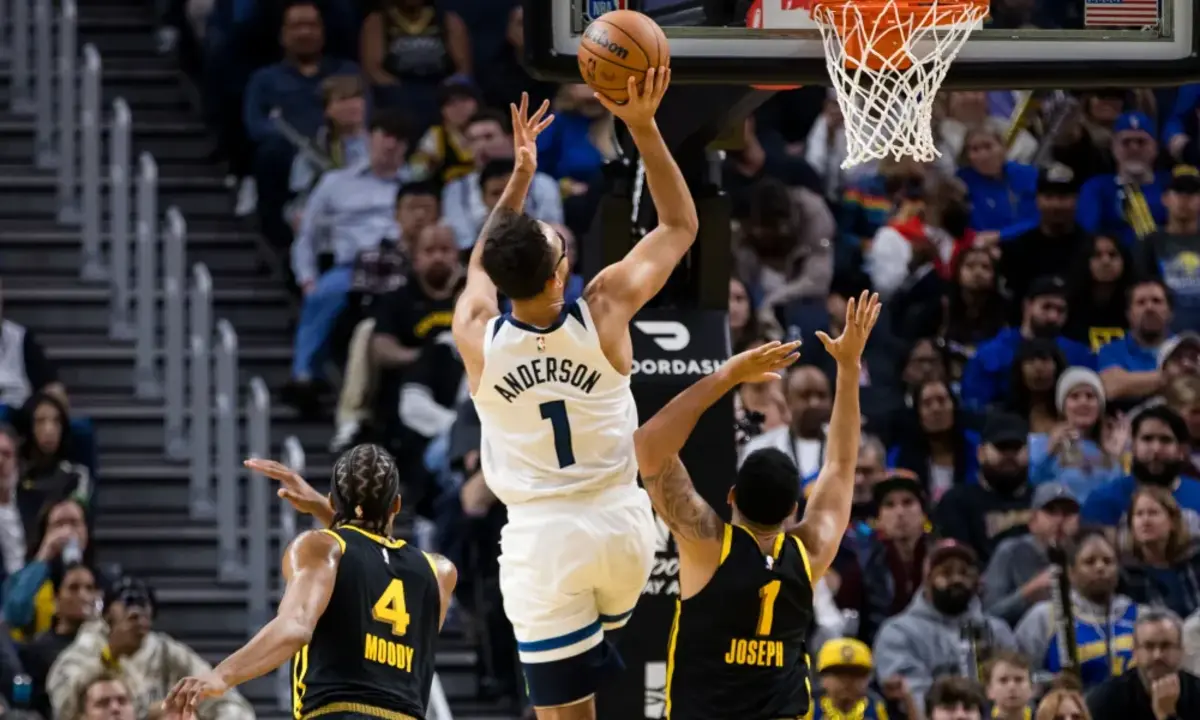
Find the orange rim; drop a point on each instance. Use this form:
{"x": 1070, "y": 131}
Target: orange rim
{"x": 890, "y": 18}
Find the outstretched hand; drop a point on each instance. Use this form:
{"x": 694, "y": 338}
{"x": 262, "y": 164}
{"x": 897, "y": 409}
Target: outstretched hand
{"x": 292, "y": 487}
{"x": 526, "y": 129}
{"x": 861, "y": 315}
{"x": 763, "y": 363}
{"x": 643, "y": 103}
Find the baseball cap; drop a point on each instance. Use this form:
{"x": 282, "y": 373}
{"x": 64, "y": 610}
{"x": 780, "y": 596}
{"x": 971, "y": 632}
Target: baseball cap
{"x": 1005, "y": 429}
{"x": 898, "y": 480}
{"x": 1058, "y": 179}
{"x": 1185, "y": 179}
{"x": 948, "y": 549}
{"x": 1053, "y": 492}
{"x": 844, "y": 653}
{"x": 1167, "y": 349}
{"x": 1046, "y": 285}
{"x": 1133, "y": 121}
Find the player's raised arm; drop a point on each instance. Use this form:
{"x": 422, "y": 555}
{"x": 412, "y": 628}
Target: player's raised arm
{"x": 828, "y": 509}
{"x": 310, "y": 568}
{"x": 477, "y": 304}
{"x": 660, "y": 439}
{"x": 622, "y": 289}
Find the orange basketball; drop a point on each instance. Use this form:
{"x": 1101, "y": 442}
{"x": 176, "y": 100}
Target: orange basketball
{"x": 617, "y": 45}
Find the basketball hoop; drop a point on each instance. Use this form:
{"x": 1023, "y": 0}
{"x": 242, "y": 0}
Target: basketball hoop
{"x": 887, "y": 59}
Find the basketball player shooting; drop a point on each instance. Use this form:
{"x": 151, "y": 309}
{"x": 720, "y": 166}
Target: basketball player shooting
{"x": 737, "y": 647}
{"x": 550, "y": 381}
{"x": 361, "y": 612}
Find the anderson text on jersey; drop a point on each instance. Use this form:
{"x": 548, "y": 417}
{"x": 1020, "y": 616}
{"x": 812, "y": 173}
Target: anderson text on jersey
{"x": 543, "y": 370}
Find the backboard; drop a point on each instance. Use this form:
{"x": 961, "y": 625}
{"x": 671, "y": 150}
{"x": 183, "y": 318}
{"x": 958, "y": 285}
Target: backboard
{"x": 1024, "y": 44}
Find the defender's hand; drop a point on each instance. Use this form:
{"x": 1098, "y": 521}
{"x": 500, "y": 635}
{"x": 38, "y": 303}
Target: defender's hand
{"x": 191, "y": 691}
{"x": 526, "y": 129}
{"x": 763, "y": 363}
{"x": 292, "y": 487}
{"x": 639, "y": 109}
{"x": 861, "y": 316}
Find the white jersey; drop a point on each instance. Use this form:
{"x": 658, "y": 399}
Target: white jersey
{"x": 557, "y": 419}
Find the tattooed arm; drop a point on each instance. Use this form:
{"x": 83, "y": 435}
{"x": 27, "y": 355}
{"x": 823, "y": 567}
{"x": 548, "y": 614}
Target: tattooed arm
{"x": 697, "y": 528}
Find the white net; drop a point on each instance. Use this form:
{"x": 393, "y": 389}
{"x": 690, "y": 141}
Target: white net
{"x": 887, "y": 61}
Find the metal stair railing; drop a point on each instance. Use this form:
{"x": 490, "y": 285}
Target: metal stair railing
{"x": 21, "y": 96}
{"x": 258, "y": 421}
{"x": 293, "y": 456}
{"x": 120, "y": 325}
{"x": 200, "y": 328}
{"x": 43, "y": 149}
{"x": 146, "y": 383}
{"x": 174, "y": 284}
{"x": 231, "y": 566}
{"x": 68, "y": 65}
{"x": 90, "y": 123}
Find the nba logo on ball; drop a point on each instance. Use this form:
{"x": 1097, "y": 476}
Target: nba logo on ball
{"x": 596, "y": 8}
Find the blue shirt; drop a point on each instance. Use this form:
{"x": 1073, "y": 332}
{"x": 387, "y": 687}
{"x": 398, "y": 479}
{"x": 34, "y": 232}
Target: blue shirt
{"x": 297, "y": 96}
{"x": 357, "y": 209}
{"x": 1109, "y": 504}
{"x": 1127, "y": 354}
{"x": 1092, "y": 470}
{"x": 1093, "y": 641}
{"x": 999, "y": 203}
{"x": 987, "y": 374}
{"x": 565, "y": 149}
{"x": 1101, "y": 206}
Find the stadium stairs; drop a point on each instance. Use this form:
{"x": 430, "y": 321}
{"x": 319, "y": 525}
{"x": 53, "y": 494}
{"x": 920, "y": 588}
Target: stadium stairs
{"x": 142, "y": 498}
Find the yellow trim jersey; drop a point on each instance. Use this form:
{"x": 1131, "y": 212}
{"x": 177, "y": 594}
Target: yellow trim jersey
{"x": 737, "y": 648}
{"x": 372, "y": 652}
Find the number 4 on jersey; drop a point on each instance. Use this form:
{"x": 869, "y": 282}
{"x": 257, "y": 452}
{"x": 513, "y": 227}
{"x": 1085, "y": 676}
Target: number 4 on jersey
{"x": 556, "y": 412}
{"x": 390, "y": 608}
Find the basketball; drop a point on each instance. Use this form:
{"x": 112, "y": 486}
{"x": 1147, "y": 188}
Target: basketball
{"x": 617, "y": 45}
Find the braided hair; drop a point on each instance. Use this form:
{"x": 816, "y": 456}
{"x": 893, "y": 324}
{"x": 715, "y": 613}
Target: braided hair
{"x": 365, "y": 484}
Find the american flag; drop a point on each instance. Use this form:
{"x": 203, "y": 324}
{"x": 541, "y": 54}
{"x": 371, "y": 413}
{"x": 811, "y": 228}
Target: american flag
{"x": 1120, "y": 13}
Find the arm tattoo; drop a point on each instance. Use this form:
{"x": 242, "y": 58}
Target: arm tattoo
{"x": 676, "y": 501}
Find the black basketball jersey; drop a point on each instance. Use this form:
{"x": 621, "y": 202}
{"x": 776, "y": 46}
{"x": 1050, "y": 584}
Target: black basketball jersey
{"x": 737, "y": 648}
{"x": 372, "y": 652}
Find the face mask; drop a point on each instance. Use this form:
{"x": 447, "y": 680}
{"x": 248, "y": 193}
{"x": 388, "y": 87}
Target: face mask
{"x": 952, "y": 600}
{"x": 1142, "y": 473}
{"x": 1003, "y": 481}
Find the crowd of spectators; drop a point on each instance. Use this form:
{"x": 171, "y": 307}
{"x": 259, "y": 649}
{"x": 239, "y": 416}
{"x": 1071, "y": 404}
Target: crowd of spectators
{"x": 76, "y": 637}
{"x": 1032, "y": 391}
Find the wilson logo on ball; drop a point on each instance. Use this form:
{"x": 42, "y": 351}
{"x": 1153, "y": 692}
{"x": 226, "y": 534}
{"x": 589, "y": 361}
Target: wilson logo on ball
{"x": 598, "y": 36}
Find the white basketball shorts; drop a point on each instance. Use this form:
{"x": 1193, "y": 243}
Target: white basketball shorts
{"x": 572, "y": 568}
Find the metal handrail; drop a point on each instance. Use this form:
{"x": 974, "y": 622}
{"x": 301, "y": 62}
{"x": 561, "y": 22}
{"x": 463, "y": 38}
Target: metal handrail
{"x": 68, "y": 120}
{"x": 120, "y": 325}
{"x": 146, "y": 373}
{"x": 90, "y": 119}
{"x": 292, "y": 456}
{"x": 200, "y": 485}
{"x": 174, "y": 284}
{"x": 258, "y": 420}
{"x": 43, "y": 78}
{"x": 231, "y": 567}
{"x": 21, "y": 98}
